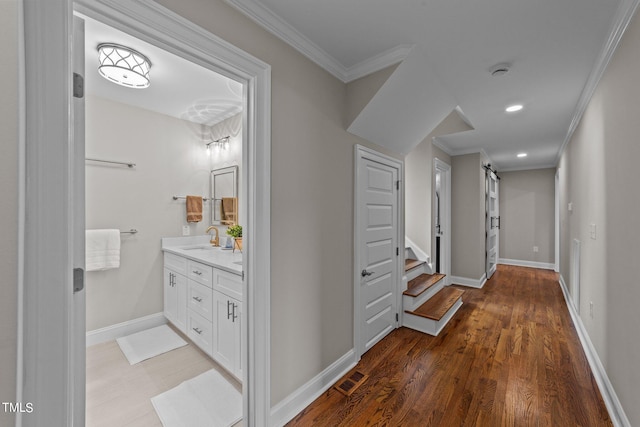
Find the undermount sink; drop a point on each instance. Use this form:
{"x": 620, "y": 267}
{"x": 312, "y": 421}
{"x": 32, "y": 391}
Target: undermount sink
{"x": 200, "y": 247}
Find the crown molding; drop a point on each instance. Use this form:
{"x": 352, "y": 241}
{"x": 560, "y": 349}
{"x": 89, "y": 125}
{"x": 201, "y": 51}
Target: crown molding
{"x": 378, "y": 62}
{"x": 623, "y": 16}
{"x": 441, "y": 145}
{"x": 267, "y": 19}
{"x": 270, "y": 21}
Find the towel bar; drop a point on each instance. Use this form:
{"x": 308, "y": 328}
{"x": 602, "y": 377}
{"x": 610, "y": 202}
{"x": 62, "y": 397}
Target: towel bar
{"x": 132, "y": 231}
{"x": 204, "y": 199}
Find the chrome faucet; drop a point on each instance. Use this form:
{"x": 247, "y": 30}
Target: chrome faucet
{"x": 216, "y": 241}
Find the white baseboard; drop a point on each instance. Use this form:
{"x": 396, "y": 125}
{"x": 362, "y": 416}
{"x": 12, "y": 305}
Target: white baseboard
{"x": 523, "y": 263}
{"x": 465, "y": 281}
{"x": 118, "y": 330}
{"x": 293, "y": 404}
{"x": 616, "y": 412}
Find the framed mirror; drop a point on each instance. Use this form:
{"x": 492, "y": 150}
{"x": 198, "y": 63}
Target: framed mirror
{"x": 224, "y": 196}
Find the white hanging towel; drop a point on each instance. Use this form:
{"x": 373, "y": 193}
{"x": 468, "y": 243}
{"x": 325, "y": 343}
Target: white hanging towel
{"x": 102, "y": 249}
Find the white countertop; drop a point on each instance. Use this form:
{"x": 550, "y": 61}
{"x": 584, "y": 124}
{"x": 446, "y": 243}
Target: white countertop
{"x": 199, "y": 249}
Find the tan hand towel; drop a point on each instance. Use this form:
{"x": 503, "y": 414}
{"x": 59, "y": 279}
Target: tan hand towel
{"x": 229, "y": 210}
{"x": 194, "y": 208}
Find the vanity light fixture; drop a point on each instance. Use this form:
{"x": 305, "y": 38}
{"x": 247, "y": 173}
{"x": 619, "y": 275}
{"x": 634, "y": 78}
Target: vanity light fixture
{"x": 221, "y": 143}
{"x": 123, "y": 65}
{"x": 522, "y": 155}
{"x": 513, "y": 108}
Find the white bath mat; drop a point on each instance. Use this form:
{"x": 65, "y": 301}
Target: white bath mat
{"x": 147, "y": 344}
{"x": 208, "y": 400}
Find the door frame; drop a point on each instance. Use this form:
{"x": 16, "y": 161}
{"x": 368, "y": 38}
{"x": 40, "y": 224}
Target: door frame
{"x": 361, "y": 152}
{"x": 45, "y": 355}
{"x": 445, "y": 215}
{"x": 489, "y": 175}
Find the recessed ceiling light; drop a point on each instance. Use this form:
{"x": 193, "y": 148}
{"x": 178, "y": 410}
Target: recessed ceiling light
{"x": 513, "y": 108}
{"x": 522, "y": 154}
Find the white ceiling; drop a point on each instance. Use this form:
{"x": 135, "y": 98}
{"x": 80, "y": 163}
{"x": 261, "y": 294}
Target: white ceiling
{"x": 552, "y": 47}
{"x": 179, "y": 88}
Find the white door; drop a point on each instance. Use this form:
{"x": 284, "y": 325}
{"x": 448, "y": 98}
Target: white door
{"x": 492, "y": 223}
{"x": 78, "y": 221}
{"x": 377, "y": 220}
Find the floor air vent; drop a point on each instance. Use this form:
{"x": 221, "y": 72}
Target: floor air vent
{"x": 349, "y": 384}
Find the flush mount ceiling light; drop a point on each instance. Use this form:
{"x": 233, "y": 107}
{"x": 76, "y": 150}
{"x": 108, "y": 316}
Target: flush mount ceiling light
{"x": 123, "y": 65}
{"x": 522, "y": 154}
{"x": 513, "y": 108}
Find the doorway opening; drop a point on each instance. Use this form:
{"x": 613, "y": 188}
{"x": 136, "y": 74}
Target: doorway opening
{"x": 442, "y": 218}
{"x": 51, "y": 162}
{"x": 146, "y": 149}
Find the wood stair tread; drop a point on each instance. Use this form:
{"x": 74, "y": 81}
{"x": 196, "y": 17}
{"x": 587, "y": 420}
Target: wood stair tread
{"x": 417, "y": 286}
{"x": 438, "y": 305}
{"x": 410, "y": 264}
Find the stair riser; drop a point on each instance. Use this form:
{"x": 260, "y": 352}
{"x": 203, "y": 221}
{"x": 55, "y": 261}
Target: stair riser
{"x": 415, "y": 272}
{"x": 411, "y": 303}
{"x": 430, "y": 326}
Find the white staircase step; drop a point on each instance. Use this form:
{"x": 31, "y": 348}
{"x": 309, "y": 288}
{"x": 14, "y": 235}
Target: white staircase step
{"x": 420, "y": 289}
{"x": 432, "y": 316}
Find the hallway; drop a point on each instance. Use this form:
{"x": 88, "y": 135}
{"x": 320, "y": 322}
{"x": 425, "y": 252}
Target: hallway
{"x": 510, "y": 356}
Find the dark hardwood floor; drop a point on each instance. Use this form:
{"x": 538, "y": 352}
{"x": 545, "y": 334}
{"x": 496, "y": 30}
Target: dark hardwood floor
{"x": 509, "y": 357}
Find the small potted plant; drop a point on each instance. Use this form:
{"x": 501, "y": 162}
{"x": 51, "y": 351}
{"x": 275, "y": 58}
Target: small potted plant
{"x": 235, "y": 231}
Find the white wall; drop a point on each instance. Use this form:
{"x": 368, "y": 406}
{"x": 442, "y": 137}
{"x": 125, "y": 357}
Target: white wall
{"x": 9, "y": 204}
{"x": 599, "y": 175}
{"x": 527, "y": 212}
{"x": 171, "y": 159}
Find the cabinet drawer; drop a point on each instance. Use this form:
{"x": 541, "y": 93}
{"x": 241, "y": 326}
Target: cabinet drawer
{"x": 175, "y": 263}
{"x": 200, "y": 300}
{"x": 228, "y": 283}
{"x": 201, "y": 273}
{"x": 200, "y": 332}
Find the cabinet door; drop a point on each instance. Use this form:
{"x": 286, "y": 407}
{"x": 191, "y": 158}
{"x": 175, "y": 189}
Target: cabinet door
{"x": 224, "y": 345}
{"x": 237, "y": 330}
{"x": 175, "y": 298}
{"x": 170, "y": 296}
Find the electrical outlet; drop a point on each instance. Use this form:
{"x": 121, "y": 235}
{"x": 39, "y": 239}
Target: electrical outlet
{"x": 186, "y": 231}
{"x": 570, "y": 207}
{"x": 535, "y": 249}
{"x": 592, "y": 231}
{"x": 591, "y": 309}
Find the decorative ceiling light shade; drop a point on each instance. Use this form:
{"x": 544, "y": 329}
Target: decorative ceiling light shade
{"x": 123, "y": 65}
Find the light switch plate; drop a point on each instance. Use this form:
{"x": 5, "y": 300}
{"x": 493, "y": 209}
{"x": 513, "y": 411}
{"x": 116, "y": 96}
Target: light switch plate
{"x": 186, "y": 231}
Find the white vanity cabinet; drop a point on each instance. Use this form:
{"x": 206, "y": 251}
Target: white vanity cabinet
{"x": 175, "y": 290}
{"x": 207, "y": 307}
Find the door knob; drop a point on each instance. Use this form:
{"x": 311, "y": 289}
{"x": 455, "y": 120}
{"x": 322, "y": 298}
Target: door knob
{"x": 365, "y": 273}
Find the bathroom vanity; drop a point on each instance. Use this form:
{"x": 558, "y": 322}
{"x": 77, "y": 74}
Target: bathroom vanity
{"x": 203, "y": 297}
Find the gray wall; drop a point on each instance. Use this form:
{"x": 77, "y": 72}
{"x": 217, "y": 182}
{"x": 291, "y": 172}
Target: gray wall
{"x": 467, "y": 216}
{"x": 311, "y": 200}
{"x": 419, "y": 188}
{"x": 599, "y": 174}
{"x": 527, "y": 206}
{"x": 9, "y": 205}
